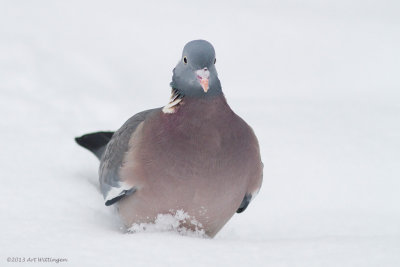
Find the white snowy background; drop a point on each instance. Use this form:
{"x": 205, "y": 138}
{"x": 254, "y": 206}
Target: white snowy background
{"x": 319, "y": 82}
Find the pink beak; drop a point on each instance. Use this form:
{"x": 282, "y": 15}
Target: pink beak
{"x": 202, "y": 77}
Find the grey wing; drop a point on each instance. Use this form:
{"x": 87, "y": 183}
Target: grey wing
{"x": 112, "y": 188}
{"x": 245, "y": 202}
{"x": 248, "y": 197}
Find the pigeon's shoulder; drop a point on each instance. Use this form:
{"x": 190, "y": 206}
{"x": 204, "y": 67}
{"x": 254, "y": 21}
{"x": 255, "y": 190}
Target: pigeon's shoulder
{"x": 250, "y": 152}
{"x": 110, "y": 183}
{"x": 243, "y": 128}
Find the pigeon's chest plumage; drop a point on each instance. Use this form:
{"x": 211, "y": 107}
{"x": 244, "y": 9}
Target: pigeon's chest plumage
{"x": 198, "y": 159}
{"x": 201, "y": 141}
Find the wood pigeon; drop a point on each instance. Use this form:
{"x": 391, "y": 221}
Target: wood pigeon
{"x": 194, "y": 154}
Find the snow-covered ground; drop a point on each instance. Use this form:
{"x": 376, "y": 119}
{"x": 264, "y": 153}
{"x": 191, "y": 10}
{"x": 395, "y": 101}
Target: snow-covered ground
{"x": 317, "y": 80}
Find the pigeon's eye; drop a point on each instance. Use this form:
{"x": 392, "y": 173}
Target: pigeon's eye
{"x": 215, "y": 60}
{"x": 185, "y": 60}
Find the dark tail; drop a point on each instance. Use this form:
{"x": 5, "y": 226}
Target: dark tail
{"x": 95, "y": 142}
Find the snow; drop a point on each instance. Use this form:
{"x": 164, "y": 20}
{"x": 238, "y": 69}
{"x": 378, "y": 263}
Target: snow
{"x": 173, "y": 222}
{"x": 318, "y": 82}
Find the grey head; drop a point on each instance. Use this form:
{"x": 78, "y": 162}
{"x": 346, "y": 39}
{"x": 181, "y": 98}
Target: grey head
{"x": 195, "y": 74}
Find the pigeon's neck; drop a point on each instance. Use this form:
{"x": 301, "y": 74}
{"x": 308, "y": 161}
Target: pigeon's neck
{"x": 178, "y": 98}
{"x": 207, "y": 108}
{"x": 174, "y": 101}
{"x": 195, "y": 110}
{"x": 195, "y": 118}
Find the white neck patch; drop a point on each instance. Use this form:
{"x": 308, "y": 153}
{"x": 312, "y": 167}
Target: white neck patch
{"x": 172, "y": 105}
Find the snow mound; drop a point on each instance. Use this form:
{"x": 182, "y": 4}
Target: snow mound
{"x": 179, "y": 222}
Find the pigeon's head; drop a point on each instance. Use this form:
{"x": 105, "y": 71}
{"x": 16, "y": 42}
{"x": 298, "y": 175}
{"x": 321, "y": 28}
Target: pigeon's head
{"x": 195, "y": 74}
